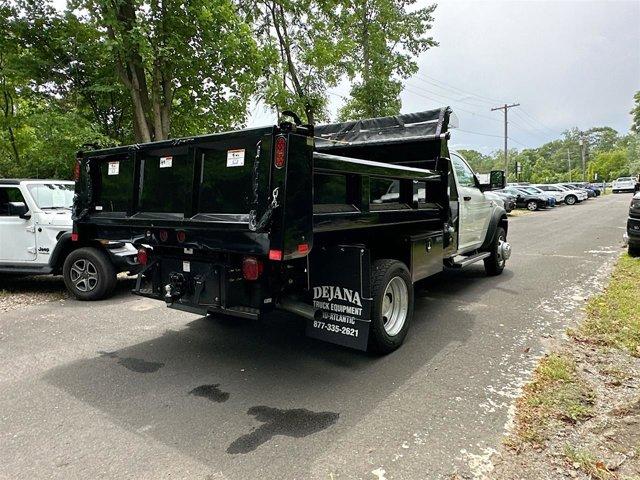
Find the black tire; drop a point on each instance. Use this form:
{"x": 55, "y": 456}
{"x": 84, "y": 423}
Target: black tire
{"x": 570, "y": 199}
{"x": 382, "y": 274}
{"x": 634, "y": 250}
{"x": 96, "y": 280}
{"x": 532, "y": 205}
{"x": 494, "y": 265}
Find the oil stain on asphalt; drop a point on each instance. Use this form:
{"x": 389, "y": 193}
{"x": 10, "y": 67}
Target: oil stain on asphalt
{"x": 296, "y": 423}
{"x": 211, "y": 392}
{"x": 134, "y": 364}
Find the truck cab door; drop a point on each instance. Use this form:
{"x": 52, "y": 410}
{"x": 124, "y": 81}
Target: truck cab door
{"x": 475, "y": 208}
{"x": 17, "y": 234}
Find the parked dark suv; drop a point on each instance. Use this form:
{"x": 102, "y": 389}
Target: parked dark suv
{"x": 633, "y": 226}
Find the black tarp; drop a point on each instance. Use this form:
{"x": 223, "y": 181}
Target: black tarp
{"x": 430, "y": 124}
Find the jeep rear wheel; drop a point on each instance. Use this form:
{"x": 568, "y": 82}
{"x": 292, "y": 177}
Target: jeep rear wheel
{"x": 392, "y": 310}
{"x": 88, "y": 274}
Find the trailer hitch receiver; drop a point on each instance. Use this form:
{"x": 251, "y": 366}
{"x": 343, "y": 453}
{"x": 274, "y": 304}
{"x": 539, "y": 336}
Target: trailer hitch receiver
{"x": 176, "y": 287}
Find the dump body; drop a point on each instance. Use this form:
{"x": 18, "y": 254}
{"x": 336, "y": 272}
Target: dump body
{"x": 283, "y": 216}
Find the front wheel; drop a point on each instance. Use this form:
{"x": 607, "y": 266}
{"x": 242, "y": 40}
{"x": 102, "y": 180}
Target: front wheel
{"x": 500, "y": 252}
{"x": 392, "y": 291}
{"x": 570, "y": 199}
{"x": 89, "y": 274}
{"x": 532, "y": 206}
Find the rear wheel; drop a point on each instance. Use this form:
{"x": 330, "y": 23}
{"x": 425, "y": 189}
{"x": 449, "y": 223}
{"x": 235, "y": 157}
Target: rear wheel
{"x": 494, "y": 265}
{"x": 88, "y": 274}
{"x": 532, "y": 205}
{"x": 570, "y": 199}
{"x": 392, "y": 291}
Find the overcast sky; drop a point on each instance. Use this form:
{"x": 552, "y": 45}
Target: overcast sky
{"x": 573, "y": 63}
{"x": 569, "y": 64}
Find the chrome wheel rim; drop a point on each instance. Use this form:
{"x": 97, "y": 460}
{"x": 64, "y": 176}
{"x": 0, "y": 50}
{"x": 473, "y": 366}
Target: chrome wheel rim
{"x": 532, "y": 206}
{"x": 500, "y": 253}
{"x": 395, "y": 305}
{"x": 84, "y": 275}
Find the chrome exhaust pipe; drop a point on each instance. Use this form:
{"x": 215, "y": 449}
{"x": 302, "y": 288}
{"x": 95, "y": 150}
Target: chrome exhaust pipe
{"x": 299, "y": 308}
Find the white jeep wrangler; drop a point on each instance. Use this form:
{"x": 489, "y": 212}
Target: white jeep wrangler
{"x": 36, "y": 238}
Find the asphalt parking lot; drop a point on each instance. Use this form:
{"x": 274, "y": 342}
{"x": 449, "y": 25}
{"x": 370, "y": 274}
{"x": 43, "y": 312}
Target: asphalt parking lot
{"x": 126, "y": 388}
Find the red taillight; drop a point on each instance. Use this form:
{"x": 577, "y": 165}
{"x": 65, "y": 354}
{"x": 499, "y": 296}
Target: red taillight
{"x": 76, "y": 172}
{"x": 143, "y": 256}
{"x": 164, "y": 235}
{"x": 275, "y": 255}
{"x": 303, "y": 248}
{"x": 181, "y": 236}
{"x": 251, "y": 268}
{"x": 281, "y": 152}
{"x": 74, "y": 237}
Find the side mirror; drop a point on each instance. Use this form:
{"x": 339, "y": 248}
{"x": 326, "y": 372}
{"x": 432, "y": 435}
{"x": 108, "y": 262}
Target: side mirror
{"x": 19, "y": 209}
{"x": 497, "y": 181}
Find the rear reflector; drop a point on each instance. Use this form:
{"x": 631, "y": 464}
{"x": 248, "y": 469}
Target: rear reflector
{"x": 74, "y": 237}
{"x": 275, "y": 255}
{"x": 303, "y": 248}
{"x": 181, "y": 236}
{"x": 143, "y": 256}
{"x": 76, "y": 172}
{"x": 280, "y": 152}
{"x": 164, "y": 235}
{"x": 251, "y": 268}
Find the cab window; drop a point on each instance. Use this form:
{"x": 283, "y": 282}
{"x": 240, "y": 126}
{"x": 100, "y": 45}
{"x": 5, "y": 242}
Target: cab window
{"x": 9, "y": 196}
{"x": 464, "y": 175}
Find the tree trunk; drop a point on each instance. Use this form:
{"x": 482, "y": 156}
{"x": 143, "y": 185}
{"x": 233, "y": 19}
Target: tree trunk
{"x": 280, "y": 24}
{"x": 9, "y": 112}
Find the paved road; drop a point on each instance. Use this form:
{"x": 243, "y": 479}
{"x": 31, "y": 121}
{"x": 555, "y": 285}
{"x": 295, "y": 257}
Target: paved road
{"x": 129, "y": 389}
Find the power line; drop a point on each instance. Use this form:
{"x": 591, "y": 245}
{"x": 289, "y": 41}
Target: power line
{"x": 451, "y": 87}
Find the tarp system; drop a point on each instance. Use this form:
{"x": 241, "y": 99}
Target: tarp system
{"x": 431, "y": 124}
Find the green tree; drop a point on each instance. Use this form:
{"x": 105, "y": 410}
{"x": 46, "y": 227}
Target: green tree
{"x": 387, "y": 36}
{"x": 635, "y": 113}
{"x": 611, "y": 165}
{"x": 306, "y": 52}
{"x": 188, "y": 67}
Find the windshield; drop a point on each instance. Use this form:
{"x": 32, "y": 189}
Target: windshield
{"x": 52, "y": 195}
{"x": 530, "y": 190}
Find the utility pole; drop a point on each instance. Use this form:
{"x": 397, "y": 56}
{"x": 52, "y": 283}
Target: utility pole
{"x": 569, "y": 163}
{"x": 583, "y": 146}
{"x": 505, "y": 107}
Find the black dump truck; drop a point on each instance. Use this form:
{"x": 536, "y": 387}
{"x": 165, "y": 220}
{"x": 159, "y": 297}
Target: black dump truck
{"x": 334, "y": 223}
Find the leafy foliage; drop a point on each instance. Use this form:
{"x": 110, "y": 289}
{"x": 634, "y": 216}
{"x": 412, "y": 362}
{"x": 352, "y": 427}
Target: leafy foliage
{"x": 635, "y": 113}
{"x": 607, "y": 154}
{"x": 387, "y": 36}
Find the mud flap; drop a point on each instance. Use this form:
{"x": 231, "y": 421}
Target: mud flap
{"x": 340, "y": 288}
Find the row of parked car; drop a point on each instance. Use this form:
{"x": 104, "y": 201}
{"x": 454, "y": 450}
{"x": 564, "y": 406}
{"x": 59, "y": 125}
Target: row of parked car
{"x": 536, "y": 197}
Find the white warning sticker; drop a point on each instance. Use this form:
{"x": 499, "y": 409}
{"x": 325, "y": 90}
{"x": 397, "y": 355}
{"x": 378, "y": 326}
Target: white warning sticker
{"x": 114, "y": 168}
{"x": 166, "y": 162}
{"x": 235, "y": 158}
{"x": 186, "y": 266}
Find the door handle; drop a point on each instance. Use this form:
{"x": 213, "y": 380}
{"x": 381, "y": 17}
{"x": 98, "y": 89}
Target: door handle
{"x": 466, "y": 199}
